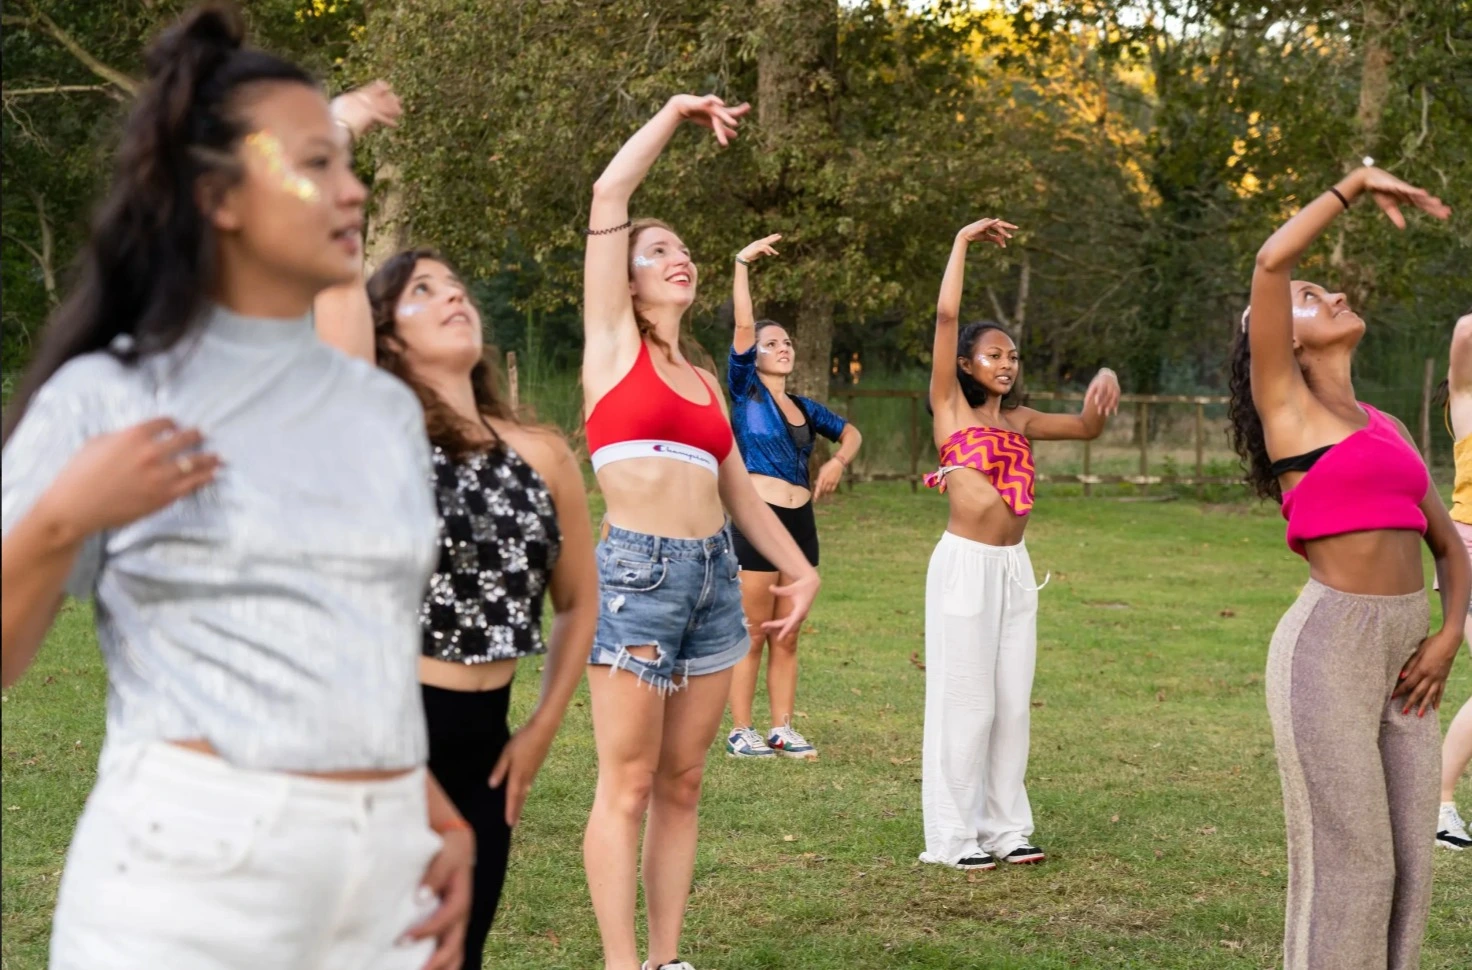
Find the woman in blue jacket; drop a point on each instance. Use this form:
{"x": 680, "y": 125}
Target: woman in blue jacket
{"x": 775, "y": 432}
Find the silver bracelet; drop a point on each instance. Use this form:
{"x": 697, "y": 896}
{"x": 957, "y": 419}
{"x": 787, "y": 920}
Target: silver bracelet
{"x": 741, "y": 261}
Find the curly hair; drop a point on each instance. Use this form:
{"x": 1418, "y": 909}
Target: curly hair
{"x": 446, "y": 429}
{"x": 1245, "y": 429}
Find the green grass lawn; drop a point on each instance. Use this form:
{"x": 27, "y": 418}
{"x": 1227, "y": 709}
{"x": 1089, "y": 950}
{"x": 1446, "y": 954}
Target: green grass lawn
{"x": 1152, "y": 780}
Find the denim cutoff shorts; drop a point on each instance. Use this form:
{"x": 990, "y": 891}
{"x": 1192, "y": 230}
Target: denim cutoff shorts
{"x": 681, "y": 595}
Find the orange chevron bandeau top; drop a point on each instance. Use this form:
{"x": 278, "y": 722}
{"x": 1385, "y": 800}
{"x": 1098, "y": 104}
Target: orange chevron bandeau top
{"x": 1003, "y": 456}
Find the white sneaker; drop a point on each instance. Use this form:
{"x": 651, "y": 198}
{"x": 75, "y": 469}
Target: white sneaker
{"x": 744, "y": 742}
{"x": 788, "y": 743}
{"x": 677, "y": 965}
{"x": 1451, "y": 831}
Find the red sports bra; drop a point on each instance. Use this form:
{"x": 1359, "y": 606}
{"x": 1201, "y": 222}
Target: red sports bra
{"x": 643, "y": 417}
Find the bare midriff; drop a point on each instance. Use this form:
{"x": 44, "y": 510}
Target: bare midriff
{"x": 471, "y": 678}
{"x": 1379, "y": 562}
{"x": 662, "y": 497}
{"x": 978, "y": 512}
{"x": 775, "y": 491}
{"x": 204, "y": 747}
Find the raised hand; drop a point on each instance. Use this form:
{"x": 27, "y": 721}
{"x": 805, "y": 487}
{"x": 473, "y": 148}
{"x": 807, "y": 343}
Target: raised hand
{"x": 118, "y": 478}
{"x": 1391, "y": 193}
{"x": 710, "y": 112}
{"x": 990, "y": 230}
{"x": 762, "y": 247}
{"x": 1103, "y": 392}
{"x": 363, "y": 108}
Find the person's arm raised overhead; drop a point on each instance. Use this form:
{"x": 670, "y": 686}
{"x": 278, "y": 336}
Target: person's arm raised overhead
{"x": 944, "y": 387}
{"x": 1276, "y": 379}
{"x": 608, "y": 309}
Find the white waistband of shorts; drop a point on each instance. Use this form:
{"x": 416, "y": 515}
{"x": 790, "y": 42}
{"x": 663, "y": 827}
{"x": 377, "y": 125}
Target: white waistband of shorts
{"x": 654, "y": 448}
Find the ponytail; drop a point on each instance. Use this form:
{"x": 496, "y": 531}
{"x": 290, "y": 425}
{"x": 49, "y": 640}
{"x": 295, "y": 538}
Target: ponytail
{"x": 143, "y": 277}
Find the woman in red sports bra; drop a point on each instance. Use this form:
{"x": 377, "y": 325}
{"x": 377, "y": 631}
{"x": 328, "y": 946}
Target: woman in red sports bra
{"x": 670, "y": 628}
{"x": 1351, "y": 669}
{"x": 980, "y": 599}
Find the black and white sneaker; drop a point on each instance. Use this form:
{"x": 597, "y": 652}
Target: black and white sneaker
{"x": 1451, "y": 831}
{"x": 971, "y": 863}
{"x": 1025, "y": 855}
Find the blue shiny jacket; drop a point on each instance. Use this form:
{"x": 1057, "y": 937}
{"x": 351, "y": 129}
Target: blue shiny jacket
{"x": 761, "y": 430}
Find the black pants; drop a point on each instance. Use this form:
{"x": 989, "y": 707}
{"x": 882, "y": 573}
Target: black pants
{"x": 467, "y": 732}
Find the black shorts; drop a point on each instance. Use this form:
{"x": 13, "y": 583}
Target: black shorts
{"x": 799, "y": 523}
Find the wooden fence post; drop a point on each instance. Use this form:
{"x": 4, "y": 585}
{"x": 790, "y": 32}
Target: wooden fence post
{"x": 915, "y": 444}
{"x": 512, "y": 380}
{"x": 1200, "y": 449}
{"x": 1142, "y": 411}
{"x": 1426, "y": 387}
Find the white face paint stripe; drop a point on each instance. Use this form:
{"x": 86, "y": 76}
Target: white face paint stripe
{"x": 643, "y": 262}
{"x": 1305, "y": 312}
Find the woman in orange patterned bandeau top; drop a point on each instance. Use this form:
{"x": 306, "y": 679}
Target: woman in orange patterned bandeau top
{"x": 981, "y": 598}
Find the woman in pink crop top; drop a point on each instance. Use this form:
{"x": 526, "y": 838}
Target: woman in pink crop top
{"x": 1351, "y": 669}
{"x": 980, "y": 596}
{"x": 671, "y": 627}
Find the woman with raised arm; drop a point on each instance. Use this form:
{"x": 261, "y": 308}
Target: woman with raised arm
{"x": 775, "y": 432}
{"x": 250, "y": 512}
{"x": 1351, "y": 670}
{"x": 981, "y": 603}
{"x": 1456, "y": 749}
{"x": 514, "y": 530}
{"x": 670, "y": 627}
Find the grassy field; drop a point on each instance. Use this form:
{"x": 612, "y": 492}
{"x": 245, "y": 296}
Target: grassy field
{"x": 1153, "y": 779}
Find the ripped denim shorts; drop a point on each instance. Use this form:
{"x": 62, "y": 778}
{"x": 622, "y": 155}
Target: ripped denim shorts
{"x": 682, "y": 596}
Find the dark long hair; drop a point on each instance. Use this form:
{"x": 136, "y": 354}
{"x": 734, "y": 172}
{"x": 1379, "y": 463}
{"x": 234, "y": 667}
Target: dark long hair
{"x": 1245, "y": 429}
{"x": 977, "y": 394}
{"x": 445, "y": 428}
{"x": 148, "y": 264}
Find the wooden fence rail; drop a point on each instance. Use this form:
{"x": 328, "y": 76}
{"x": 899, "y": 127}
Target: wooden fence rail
{"x": 1142, "y": 404}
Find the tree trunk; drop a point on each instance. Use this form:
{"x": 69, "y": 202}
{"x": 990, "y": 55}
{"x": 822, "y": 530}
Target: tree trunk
{"x": 813, "y": 343}
{"x": 388, "y": 231}
{"x": 1354, "y": 277}
{"x": 800, "y": 42}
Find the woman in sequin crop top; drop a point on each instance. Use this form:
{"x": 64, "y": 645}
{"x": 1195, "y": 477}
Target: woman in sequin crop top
{"x": 1351, "y": 669}
{"x": 980, "y": 598}
{"x": 249, "y": 512}
{"x": 514, "y": 529}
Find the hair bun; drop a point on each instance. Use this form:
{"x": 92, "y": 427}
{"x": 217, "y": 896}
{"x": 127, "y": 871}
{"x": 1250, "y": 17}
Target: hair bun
{"x": 201, "y": 39}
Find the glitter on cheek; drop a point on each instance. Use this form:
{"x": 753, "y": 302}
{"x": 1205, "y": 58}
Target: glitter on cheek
{"x": 269, "y": 147}
{"x": 411, "y": 309}
{"x": 1305, "y": 312}
{"x": 643, "y": 262}
{"x": 764, "y": 350}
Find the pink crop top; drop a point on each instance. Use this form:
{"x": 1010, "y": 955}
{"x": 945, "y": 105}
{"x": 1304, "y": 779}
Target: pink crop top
{"x": 1371, "y": 480}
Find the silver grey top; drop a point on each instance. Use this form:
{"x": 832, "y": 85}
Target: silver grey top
{"x": 274, "y": 613}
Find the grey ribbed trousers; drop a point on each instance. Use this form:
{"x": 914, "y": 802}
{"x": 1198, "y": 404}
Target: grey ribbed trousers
{"x": 1359, "y": 780}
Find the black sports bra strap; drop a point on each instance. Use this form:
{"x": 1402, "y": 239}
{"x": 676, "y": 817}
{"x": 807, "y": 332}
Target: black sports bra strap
{"x": 1298, "y": 463}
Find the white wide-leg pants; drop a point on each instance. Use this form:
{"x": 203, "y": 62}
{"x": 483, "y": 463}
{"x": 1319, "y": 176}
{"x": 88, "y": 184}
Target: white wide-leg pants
{"x": 981, "y": 607}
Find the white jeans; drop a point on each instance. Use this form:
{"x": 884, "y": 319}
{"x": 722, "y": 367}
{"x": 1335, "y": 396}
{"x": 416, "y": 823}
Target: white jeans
{"x": 981, "y": 610}
{"x": 183, "y": 862}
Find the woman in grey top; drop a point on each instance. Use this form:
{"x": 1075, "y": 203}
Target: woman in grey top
{"x": 250, "y": 512}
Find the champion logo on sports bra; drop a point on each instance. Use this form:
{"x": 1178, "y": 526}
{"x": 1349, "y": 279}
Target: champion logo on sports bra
{"x": 622, "y": 450}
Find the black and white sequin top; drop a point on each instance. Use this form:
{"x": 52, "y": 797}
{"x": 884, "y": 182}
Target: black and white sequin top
{"x": 499, "y": 541}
